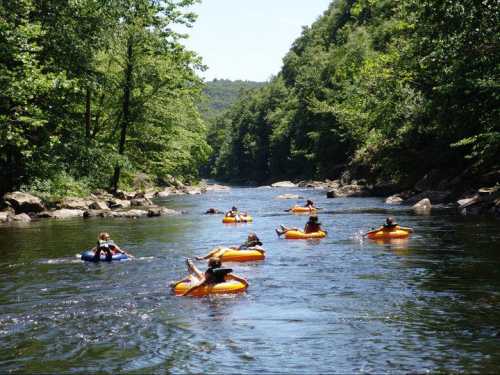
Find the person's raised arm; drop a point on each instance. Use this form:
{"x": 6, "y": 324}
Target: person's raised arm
{"x": 373, "y": 231}
{"x": 237, "y": 278}
{"x": 406, "y": 229}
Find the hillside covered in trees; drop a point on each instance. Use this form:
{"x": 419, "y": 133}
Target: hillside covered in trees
{"x": 94, "y": 93}
{"x": 391, "y": 91}
{"x": 220, "y": 94}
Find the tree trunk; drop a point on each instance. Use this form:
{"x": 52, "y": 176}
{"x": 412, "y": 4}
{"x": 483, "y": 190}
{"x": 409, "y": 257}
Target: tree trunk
{"x": 87, "y": 114}
{"x": 127, "y": 89}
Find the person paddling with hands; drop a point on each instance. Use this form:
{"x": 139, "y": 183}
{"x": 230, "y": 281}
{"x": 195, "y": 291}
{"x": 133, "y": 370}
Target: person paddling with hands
{"x": 389, "y": 225}
{"x": 107, "y": 246}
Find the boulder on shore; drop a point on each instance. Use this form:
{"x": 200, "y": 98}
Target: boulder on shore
{"x": 163, "y": 194}
{"x": 436, "y": 196}
{"x": 284, "y": 184}
{"x": 125, "y": 195}
{"x": 119, "y": 203}
{"x": 99, "y": 205}
{"x": 484, "y": 201}
{"x": 348, "y": 191}
{"x": 23, "y": 202}
{"x": 74, "y": 203}
{"x": 4, "y": 217}
{"x": 142, "y": 202}
{"x": 22, "y": 218}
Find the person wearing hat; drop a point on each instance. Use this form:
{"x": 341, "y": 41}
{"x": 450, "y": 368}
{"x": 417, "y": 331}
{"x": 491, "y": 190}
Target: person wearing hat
{"x": 311, "y": 226}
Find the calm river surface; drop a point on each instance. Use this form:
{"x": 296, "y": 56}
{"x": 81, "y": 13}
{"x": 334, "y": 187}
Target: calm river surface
{"x": 339, "y": 305}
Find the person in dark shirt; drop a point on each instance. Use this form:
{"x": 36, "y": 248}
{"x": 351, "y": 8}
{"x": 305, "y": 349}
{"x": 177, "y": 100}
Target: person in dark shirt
{"x": 311, "y": 226}
{"x": 309, "y": 204}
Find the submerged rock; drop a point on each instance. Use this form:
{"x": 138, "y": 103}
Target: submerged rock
{"x": 161, "y": 211}
{"x": 289, "y": 196}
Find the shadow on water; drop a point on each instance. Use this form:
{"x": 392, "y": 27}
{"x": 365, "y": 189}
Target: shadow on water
{"x": 341, "y": 304}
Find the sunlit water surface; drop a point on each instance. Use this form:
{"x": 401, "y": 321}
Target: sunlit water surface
{"x": 339, "y": 305}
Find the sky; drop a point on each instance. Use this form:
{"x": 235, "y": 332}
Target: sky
{"x": 247, "y": 39}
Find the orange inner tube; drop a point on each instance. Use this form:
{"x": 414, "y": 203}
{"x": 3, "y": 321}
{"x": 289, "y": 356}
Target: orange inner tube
{"x": 231, "y": 255}
{"x": 388, "y": 234}
{"x": 227, "y": 287}
{"x": 243, "y": 219}
{"x": 300, "y": 235}
{"x": 302, "y": 209}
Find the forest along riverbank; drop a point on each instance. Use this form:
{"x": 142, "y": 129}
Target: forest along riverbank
{"x": 24, "y": 207}
{"x": 342, "y": 304}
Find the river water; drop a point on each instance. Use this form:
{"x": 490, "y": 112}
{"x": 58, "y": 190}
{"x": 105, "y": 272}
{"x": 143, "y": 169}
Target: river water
{"x": 337, "y": 305}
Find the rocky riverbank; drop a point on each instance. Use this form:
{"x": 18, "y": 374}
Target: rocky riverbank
{"x": 24, "y": 207}
{"x": 464, "y": 198}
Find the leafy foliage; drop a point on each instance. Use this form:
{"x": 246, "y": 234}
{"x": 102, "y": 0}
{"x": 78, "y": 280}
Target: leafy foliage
{"x": 387, "y": 89}
{"x": 91, "y": 87}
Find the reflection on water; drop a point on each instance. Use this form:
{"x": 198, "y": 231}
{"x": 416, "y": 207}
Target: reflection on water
{"x": 341, "y": 304}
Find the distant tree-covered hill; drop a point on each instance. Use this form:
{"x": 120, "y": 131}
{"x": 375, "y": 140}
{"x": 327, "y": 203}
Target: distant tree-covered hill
{"x": 222, "y": 93}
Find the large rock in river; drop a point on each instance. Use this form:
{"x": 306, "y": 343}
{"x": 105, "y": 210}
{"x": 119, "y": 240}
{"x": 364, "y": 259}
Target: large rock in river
{"x": 284, "y": 184}
{"x": 394, "y": 199}
{"x": 423, "y": 205}
{"x": 24, "y": 202}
